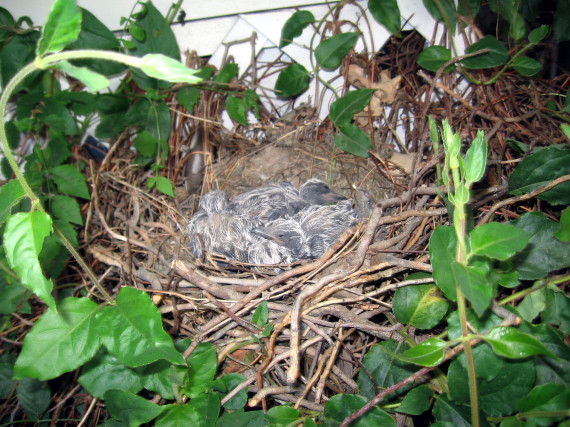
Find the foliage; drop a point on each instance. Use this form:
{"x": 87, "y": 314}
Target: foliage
{"x": 489, "y": 368}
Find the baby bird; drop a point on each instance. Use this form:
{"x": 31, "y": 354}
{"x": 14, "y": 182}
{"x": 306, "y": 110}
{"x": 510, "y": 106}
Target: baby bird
{"x": 287, "y": 233}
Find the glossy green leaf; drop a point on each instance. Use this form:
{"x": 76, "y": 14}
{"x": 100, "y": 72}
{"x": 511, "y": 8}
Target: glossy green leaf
{"x": 94, "y": 81}
{"x": 497, "y": 55}
{"x": 292, "y": 80}
{"x": 526, "y": 66}
{"x": 130, "y": 409}
{"x": 61, "y": 28}
{"x": 23, "y": 239}
{"x": 188, "y": 96}
{"x": 476, "y": 159}
{"x": 137, "y": 32}
{"x": 448, "y": 414}
{"x": 539, "y": 169}
{"x": 509, "y": 342}
{"x": 557, "y": 309}
{"x": 66, "y": 208}
{"x": 242, "y": 419}
{"x": 421, "y": 305}
{"x": 261, "y": 315}
{"x": 59, "y": 342}
{"x": 16, "y": 53}
{"x": 105, "y": 372}
{"x": 132, "y": 330}
{"x": 564, "y": 127}
{"x": 386, "y": 13}
{"x": 203, "y": 366}
{"x": 57, "y": 117}
{"x": 208, "y": 406}
{"x": 11, "y": 194}
{"x": 237, "y": 109}
{"x": 499, "y": 396}
{"x": 231, "y": 381}
{"x": 545, "y": 399}
{"x": 34, "y": 396}
{"x": 342, "y": 110}
{"x": 506, "y": 9}
{"x": 564, "y": 233}
{"x": 443, "y": 11}
{"x": 538, "y": 34}
{"x": 283, "y": 415}
{"x": 330, "y": 52}
{"x": 95, "y": 35}
{"x": 417, "y": 401}
{"x": 469, "y": 8}
{"x": 532, "y": 304}
{"x": 434, "y": 57}
{"x": 353, "y": 140}
{"x": 544, "y": 253}
{"x": 294, "y": 26}
{"x": 341, "y": 406}
{"x": 227, "y": 73}
{"x": 70, "y": 181}
{"x": 498, "y": 241}
{"x": 430, "y": 352}
{"x": 442, "y": 251}
{"x": 517, "y": 29}
{"x": 145, "y": 143}
{"x": 158, "y": 377}
{"x": 178, "y": 416}
{"x": 165, "y": 68}
{"x": 164, "y": 185}
{"x": 384, "y": 368}
{"x": 474, "y": 284}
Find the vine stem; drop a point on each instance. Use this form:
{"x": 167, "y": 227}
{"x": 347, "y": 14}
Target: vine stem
{"x": 41, "y": 64}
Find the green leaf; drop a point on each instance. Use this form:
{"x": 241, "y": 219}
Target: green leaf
{"x": 178, "y": 416}
{"x": 59, "y": 341}
{"x": 561, "y": 25}
{"x": 105, "y": 372}
{"x": 237, "y": 109}
{"x": 509, "y": 342}
{"x": 539, "y": 169}
{"x": 157, "y": 377}
{"x": 34, "y": 396}
{"x": 434, "y": 57}
{"x": 421, "y": 305}
{"x": 292, "y": 80}
{"x": 227, "y": 73}
{"x": 417, "y": 401}
{"x": 242, "y": 419}
{"x": 430, "y": 352}
{"x": 443, "y": 11}
{"x": 6, "y": 373}
{"x": 130, "y": 409}
{"x": 517, "y": 28}
{"x": 165, "y": 68}
{"x": 15, "y": 54}
{"x": 498, "y": 241}
{"x": 330, "y": 52}
{"x": 203, "y": 366}
{"x": 532, "y": 304}
{"x": 497, "y": 55}
{"x": 341, "y": 406}
{"x": 563, "y": 234}
{"x": 468, "y": 8}
{"x": 526, "y": 66}
{"x": 385, "y": 369}
{"x": 546, "y": 398}
{"x": 137, "y": 32}
{"x": 538, "y": 34}
{"x": 342, "y": 110}
{"x": 499, "y": 396}
{"x": 159, "y": 124}
{"x": 476, "y": 159}
{"x": 208, "y": 406}
{"x": 261, "y": 315}
{"x": 164, "y": 185}
{"x": 70, "y": 181}
{"x": 58, "y": 117}
{"x": 94, "y": 81}
{"x": 66, "y": 208}
{"x": 544, "y": 253}
{"x": 146, "y": 144}
{"x": 231, "y": 381}
{"x": 449, "y": 415}
{"x": 132, "y": 330}
{"x": 23, "y": 239}
{"x": 386, "y": 13}
{"x": 283, "y": 415}
{"x": 294, "y": 26}
{"x": 61, "y": 28}
{"x": 11, "y": 194}
{"x": 442, "y": 250}
{"x": 353, "y": 140}
{"x": 188, "y": 96}
{"x": 13, "y": 299}
{"x": 473, "y": 282}
{"x": 564, "y": 127}
{"x": 557, "y": 310}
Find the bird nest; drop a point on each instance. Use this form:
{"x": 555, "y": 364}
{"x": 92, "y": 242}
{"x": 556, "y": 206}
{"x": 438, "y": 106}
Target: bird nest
{"x": 325, "y": 312}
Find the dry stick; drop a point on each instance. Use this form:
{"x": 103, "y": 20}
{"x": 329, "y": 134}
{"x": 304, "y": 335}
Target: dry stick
{"x": 526, "y": 196}
{"x": 309, "y": 291}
